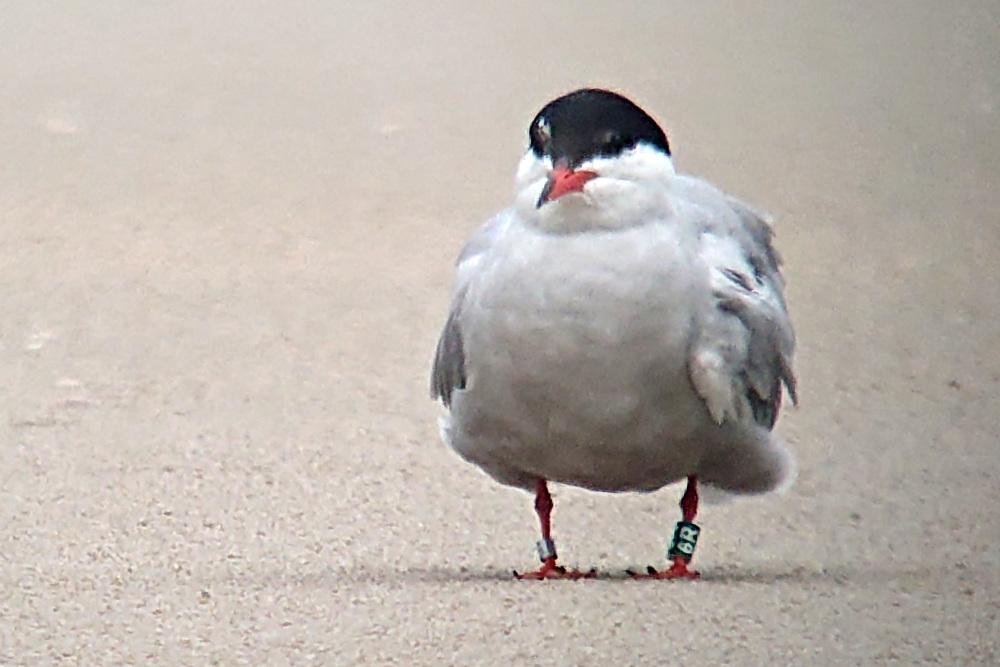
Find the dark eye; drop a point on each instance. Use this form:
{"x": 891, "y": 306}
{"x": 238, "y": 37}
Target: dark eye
{"x": 610, "y": 142}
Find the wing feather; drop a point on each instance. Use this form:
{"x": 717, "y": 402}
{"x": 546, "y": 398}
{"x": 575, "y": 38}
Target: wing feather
{"x": 448, "y": 369}
{"x": 743, "y": 353}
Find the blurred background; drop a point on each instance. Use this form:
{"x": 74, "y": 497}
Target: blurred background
{"x": 227, "y": 233}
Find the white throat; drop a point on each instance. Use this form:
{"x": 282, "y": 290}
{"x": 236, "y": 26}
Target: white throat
{"x": 630, "y": 190}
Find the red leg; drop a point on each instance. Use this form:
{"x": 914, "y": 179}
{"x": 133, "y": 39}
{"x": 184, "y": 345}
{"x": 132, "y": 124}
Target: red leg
{"x": 547, "y": 548}
{"x": 679, "y": 563}
{"x": 543, "y": 507}
{"x": 689, "y": 501}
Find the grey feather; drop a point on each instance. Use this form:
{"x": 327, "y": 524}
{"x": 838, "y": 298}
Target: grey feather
{"x": 448, "y": 370}
{"x": 743, "y": 353}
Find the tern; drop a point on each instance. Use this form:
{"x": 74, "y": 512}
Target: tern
{"x": 619, "y": 327}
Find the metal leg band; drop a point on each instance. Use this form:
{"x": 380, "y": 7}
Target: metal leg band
{"x": 546, "y": 549}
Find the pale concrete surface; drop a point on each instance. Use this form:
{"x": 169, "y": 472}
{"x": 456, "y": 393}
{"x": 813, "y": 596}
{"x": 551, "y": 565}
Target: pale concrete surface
{"x": 227, "y": 232}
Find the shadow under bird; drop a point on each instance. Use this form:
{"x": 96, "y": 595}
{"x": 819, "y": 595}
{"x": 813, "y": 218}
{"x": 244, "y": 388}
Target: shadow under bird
{"x": 619, "y": 327}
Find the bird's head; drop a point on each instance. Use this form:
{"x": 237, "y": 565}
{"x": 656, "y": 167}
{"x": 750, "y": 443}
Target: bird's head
{"x": 596, "y": 160}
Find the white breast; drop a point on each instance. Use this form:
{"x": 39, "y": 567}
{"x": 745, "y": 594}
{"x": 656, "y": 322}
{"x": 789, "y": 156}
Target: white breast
{"x": 576, "y": 353}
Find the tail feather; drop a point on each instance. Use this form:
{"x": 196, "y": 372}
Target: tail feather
{"x": 763, "y": 465}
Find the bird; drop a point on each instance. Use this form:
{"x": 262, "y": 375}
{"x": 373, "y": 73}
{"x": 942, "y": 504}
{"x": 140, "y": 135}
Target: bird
{"x": 620, "y": 327}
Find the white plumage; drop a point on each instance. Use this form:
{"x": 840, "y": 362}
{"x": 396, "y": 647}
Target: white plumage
{"x": 621, "y": 338}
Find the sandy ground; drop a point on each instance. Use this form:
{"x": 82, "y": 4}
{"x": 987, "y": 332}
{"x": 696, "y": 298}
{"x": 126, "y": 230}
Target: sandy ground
{"x": 226, "y": 238}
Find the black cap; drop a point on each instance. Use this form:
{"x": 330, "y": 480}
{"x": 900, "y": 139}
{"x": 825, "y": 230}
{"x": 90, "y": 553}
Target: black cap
{"x": 592, "y": 122}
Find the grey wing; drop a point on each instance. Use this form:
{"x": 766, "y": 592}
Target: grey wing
{"x": 448, "y": 370}
{"x": 743, "y": 353}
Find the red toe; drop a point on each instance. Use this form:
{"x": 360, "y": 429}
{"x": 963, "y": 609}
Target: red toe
{"x": 549, "y": 570}
{"x": 678, "y": 570}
